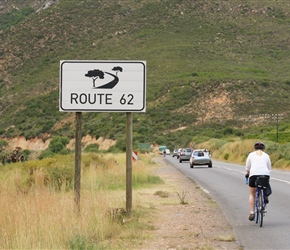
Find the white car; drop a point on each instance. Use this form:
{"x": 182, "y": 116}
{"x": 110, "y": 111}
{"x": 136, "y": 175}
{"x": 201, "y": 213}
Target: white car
{"x": 167, "y": 151}
{"x": 200, "y": 157}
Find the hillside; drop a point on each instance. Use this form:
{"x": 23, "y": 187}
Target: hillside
{"x": 212, "y": 66}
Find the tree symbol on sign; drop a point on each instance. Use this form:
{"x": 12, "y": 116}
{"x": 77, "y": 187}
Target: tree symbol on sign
{"x": 95, "y": 74}
{"x": 117, "y": 69}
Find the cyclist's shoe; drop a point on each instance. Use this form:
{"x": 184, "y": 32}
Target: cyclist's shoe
{"x": 252, "y": 217}
{"x": 267, "y": 200}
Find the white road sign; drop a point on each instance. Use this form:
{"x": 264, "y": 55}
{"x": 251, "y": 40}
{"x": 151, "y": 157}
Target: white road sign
{"x": 109, "y": 86}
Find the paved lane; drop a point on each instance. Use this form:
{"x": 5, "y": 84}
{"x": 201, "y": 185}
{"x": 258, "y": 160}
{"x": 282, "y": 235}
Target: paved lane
{"x": 225, "y": 183}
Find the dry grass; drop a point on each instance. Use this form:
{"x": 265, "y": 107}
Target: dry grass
{"x": 45, "y": 219}
{"x": 229, "y": 237}
{"x": 238, "y": 150}
{"x": 42, "y": 218}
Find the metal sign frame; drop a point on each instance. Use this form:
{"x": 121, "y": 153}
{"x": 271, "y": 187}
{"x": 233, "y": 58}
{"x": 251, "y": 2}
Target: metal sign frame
{"x": 102, "y": 86}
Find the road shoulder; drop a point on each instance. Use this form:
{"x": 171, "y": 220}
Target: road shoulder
{"x": 199, "y": 223}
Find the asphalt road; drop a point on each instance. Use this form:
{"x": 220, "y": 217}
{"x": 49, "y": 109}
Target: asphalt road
{"x": 225, "y": 183}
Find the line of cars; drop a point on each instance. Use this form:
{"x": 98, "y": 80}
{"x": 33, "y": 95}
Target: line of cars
{"x": 195, "y": 157}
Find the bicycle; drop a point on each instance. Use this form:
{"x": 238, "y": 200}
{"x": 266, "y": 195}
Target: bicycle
{"x": 260, "y": 199}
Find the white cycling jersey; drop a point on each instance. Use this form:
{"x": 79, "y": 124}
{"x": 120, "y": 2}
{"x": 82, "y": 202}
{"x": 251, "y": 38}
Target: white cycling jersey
{"x": 258, "y": 163}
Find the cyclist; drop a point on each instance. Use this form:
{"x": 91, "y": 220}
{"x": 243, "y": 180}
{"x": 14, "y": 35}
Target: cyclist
{"x": 164, "y": 152}
{"x": 258, "y": 163}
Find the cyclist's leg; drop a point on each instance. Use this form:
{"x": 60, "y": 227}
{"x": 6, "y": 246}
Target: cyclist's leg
{"x": 252, "y": 199}
{"x": 252, "y": 194}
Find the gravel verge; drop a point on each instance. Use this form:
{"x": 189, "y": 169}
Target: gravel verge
{"x": 186, "y": 217}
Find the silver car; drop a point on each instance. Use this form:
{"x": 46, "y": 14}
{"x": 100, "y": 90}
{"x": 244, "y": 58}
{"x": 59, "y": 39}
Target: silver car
{"x": 185, "y": 154}
{"x": 200, "y": 157}
{"x": 175, "y": 153}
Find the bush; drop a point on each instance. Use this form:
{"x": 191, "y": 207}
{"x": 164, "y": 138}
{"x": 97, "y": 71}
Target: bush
{"x": 14, "y": 17}
{"x": 226, "y": 156}
{"x": 45, "y": 154}
{"x": 92, "y": 148}
{"x": 120, "y": 145}
{"x": 3, "y": 144}
{"x": 49, "y": 172}
{"x": 58, "y": 144}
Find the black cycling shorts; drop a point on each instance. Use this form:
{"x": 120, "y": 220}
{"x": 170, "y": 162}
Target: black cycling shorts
{"x": 253, "y": 178}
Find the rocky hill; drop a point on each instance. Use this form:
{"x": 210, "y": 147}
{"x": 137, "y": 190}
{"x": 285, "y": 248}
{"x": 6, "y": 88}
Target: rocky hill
{"x": 211, "y": 65}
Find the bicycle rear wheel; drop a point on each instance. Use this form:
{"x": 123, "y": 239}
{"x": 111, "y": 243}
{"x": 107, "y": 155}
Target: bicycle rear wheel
{"x": 257, "y": 212}
{"x": 261, "y": 208}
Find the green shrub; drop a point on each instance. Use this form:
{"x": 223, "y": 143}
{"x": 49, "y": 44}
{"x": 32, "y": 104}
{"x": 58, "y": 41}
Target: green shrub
{"x": 3, "y": 144}
{"x": 228, "y": 131}
{"x": 226, "y": 156}
{"x": 57, "y": 144}
{"x": 45, "y": 154}
{"x": 14, "y": 17}
{"x": 60, "y": 178}
{"x": 54, "y": 174}
{"x": 80, "y": 242}
{"x": 92, "y": 148}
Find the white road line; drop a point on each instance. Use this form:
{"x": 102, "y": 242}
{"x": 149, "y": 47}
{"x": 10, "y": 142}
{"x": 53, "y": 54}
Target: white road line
{"x": 204, "y": 190}
{"x": 243, "y": 172}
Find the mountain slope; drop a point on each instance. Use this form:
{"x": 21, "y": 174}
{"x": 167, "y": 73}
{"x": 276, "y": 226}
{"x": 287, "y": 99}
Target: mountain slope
{"x": 209, "y": 63}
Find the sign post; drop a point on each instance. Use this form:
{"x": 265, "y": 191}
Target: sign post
{"x": 103, "y": 86}
{"x": 78, "y": 154}
{"x": 129, "y": 163}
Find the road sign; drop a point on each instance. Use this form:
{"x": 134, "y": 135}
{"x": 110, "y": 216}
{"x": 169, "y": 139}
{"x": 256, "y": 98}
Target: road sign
{"x": 135, "y": 155}
{"x": 144, "y": 145}
{"x": 108, "y": 86}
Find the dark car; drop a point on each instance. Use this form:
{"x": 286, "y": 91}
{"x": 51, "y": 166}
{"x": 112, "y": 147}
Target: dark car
{"x": 185, "y": 154}
{"x": 200, "y": 157}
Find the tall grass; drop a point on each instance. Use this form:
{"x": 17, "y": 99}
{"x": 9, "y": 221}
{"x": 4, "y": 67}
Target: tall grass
{"x": 238, "y": 150}
{"x": 36, "y": 214}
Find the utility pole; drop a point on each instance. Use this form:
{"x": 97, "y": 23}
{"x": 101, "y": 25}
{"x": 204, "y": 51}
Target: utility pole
{"x": 278, "y": 118}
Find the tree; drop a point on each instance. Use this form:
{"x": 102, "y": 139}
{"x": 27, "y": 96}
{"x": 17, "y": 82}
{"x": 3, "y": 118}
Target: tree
{"x": 95, "y": 74}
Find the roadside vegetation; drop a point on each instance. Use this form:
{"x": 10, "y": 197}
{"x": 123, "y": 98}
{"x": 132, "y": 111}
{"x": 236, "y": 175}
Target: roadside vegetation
{"x": 38, "y": 209}
{"x": 217, "y": 76}
{"x": 37, "y": 203}
{"x": 236, "y": 150}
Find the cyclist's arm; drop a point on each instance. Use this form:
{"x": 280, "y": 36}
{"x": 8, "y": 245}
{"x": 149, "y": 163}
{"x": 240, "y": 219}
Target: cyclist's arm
{"x": 248, "y": 166}
{"x": 269, "y": 166}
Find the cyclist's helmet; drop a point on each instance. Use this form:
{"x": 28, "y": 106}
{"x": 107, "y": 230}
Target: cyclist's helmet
{"x": 259, "y": 145}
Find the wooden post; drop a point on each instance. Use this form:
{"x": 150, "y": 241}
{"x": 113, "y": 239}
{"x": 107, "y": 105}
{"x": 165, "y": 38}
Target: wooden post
{"x": 78, "y": 149}
{"x": 129, "y": 163}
